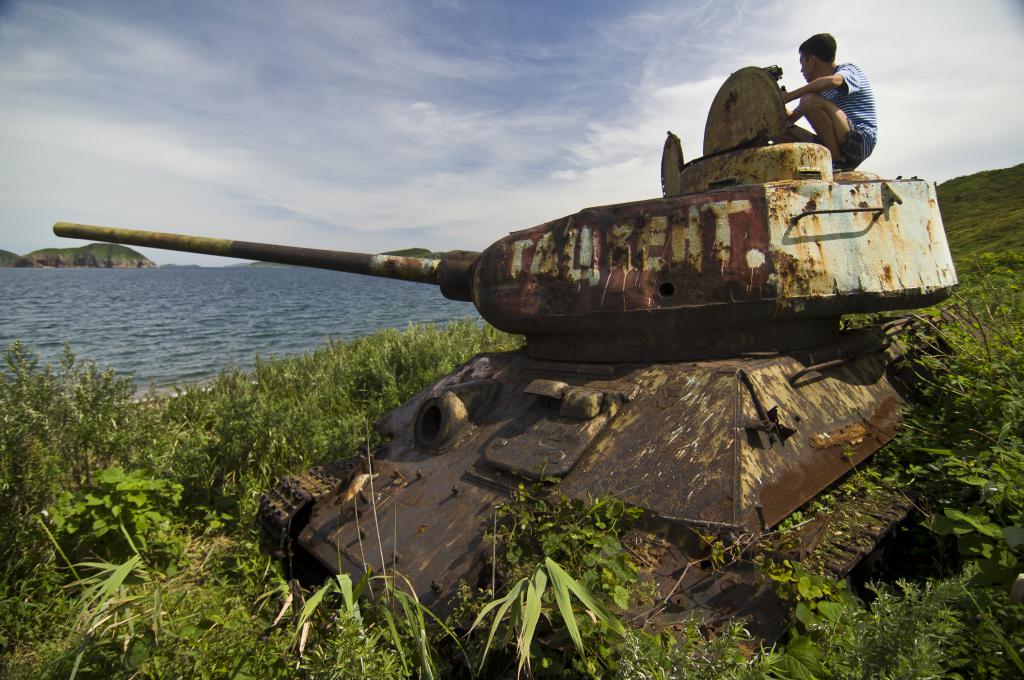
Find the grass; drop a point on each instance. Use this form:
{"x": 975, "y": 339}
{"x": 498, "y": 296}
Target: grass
{"x": 146, "y": 563}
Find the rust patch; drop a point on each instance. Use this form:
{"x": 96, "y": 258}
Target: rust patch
{"x": 850, "y": 435}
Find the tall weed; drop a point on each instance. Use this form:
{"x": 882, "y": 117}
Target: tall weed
{"x": 963, "y": 447}
{"x": 58, "y": 427}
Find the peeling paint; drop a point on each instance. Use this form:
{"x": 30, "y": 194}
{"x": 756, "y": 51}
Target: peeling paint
{"x": 755, "y": 258}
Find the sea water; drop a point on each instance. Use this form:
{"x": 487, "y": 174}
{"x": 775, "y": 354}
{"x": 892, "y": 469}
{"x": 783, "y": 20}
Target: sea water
{"x": 176, "y": 325}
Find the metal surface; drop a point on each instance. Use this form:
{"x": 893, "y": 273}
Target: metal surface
{"x": 753, "y": 267}
{"x": 717, "y": 273}
{"x": 748, "y": 109}
{"x": 760, "y": 165}
{"x": 681, "y": 440}
{"x": 671, "y": 166}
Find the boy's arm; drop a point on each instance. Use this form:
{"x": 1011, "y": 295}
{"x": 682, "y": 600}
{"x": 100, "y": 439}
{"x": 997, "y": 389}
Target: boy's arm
{"x": 817, "y": 85}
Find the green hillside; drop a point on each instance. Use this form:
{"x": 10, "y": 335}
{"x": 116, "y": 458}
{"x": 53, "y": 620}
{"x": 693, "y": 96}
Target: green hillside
{"x": 984, "y": 211}
{"x": 415, "y": 252}
{"x": 104, "y": 255}
{"x": 7, "y": 258}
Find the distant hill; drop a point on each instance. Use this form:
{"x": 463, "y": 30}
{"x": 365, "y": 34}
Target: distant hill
{"x": 7, "y": 258}
{"x": 416, "y": 252}
{"x": 96, "y": 255}
{"x": 984, "y": 211}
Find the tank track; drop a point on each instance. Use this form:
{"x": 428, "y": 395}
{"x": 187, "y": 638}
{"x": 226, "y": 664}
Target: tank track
{"x": 285, "y": 506}
{"x": 841, "y": 537}
{"x": 855, "y": 527}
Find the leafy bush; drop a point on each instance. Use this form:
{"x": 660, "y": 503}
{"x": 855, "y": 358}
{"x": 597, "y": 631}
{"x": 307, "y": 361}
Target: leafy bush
{"x": 552, "y": 554}
{"x": 349, "y": 650}
{"x": 961, "y": 457}
{"x": 694, "y": 655}
{"x": 119, "y": 514}
{"x": 57, "y": 428}
{"x": 582, "y": 537}
{"x": 530, "y": 598}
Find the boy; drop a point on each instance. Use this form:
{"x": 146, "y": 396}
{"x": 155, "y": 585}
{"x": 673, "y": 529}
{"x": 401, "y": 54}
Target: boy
{"x": 838, "y": 103}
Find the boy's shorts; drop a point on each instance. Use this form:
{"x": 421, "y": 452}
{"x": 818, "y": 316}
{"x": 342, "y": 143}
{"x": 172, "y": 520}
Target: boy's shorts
{"x": 855, "y": 147}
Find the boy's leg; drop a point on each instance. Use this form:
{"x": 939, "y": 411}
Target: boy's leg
{"x": 828, "y": 120}
{"x": 794, "y": 133}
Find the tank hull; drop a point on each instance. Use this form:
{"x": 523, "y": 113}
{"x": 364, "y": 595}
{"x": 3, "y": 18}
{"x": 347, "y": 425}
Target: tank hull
{"x": 728, "y": 446}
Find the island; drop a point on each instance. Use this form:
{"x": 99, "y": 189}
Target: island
{"x": 94, "y": 255}
{"x": 417, "y": 252}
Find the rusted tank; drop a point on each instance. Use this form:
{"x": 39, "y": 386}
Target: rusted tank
{"x": 683, "y": 353}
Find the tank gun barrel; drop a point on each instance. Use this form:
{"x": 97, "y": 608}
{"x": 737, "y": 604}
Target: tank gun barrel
{"x": 453, "y": 272}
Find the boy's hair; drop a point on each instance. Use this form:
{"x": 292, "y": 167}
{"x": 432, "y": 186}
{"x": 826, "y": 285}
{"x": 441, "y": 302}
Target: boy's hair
{"x": 822, "y": 46}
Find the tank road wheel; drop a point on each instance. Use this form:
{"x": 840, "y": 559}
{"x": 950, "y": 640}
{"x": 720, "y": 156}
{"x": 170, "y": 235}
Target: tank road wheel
{"x": 285, "y": 508}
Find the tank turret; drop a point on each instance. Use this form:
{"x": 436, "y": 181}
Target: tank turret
{"x": 684, "y": 354}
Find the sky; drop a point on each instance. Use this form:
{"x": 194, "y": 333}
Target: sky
{"x": 386, "y": 124}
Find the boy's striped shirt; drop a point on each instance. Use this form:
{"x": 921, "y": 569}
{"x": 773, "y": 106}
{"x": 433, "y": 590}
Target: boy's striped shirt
{"x": 857, "y": 100}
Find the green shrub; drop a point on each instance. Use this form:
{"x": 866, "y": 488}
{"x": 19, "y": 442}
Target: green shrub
{"x": 960, "y": 456}
{"x": 64, "y": 430}
{"x": 695, "y": 654}
{"x": 963, "y": 449}
{"x": 348, "y": 650}
{"x": 57, "y": 428}
{"x": 118, "y": 514}
{"x": 581, "y": 537}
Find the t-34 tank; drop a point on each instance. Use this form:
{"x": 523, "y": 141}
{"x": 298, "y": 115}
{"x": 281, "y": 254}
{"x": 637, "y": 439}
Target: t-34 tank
{"x": 683, "y": 353}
